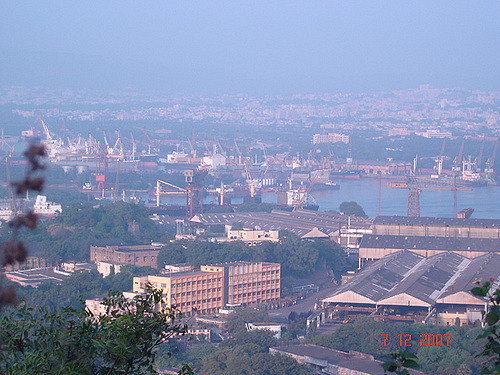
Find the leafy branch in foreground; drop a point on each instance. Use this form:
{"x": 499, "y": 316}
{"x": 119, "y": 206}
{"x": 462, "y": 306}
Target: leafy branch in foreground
{"x": 13, "y": 250}
{"x": 73, "y": 341}
{"x": 399, "y": 362}
{"x": 491, "y": 331}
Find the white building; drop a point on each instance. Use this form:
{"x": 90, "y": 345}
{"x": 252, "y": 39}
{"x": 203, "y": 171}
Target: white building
{"x": 251, "y": 236}
{"x": 214, "y": 161}
{"x": 330, "y": 138}
{"x": 43, "y": 207}
{"x": 275, "y": 328}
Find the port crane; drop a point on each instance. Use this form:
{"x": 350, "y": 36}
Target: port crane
{"x": 10, "y": 150}
{"x": 491, "y": 161}
{"x": 250, "y": 181}
{"x": 479, "y": 158}
{"x": 415, "y": 185}
{"x": 457, "y": 162}
{"x": 159, "y": 191}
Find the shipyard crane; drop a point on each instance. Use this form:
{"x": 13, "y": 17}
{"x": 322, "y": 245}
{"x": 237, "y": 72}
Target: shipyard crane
{"x": 193, "y": 150}
{"x": 45, "y": 129}
{"x": 109, "y": 149}
{"x": 118, "y": 146}
{"x": 457, "y": 163}
{"x": 491, "y": 161}
{"x": 10, "y": 151}
{"x": 159, "y": 192}
{"x": 194, "y": 191}
{"x": 415, "y": 185}
{"x": 134, "y": 146}
{"x": 250, "y": 181}
{"x": 479, "y": 158}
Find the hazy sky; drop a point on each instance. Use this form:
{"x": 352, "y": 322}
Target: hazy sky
{"x": 257, "y": 47}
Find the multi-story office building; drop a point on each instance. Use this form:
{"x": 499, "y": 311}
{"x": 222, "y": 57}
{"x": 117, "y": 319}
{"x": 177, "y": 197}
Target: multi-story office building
{"x": 249, "y": 282}
{"x": 138, "y": 255}
{"x": 214, "y": 286}
{"x": 330, "y": 138}
{"x": 188, "y": 291}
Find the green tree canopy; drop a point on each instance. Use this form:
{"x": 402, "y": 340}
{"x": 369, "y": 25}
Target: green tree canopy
{"x": 352, "y": 208}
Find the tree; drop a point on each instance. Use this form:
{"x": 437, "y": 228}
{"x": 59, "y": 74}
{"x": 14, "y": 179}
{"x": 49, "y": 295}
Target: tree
{"x": 352, "y": 208}
{"x": 236, "y": 320}
{"x": 491, "y": 332}
{"x": 250, "y": 359}
{"x": 72, "y": 341}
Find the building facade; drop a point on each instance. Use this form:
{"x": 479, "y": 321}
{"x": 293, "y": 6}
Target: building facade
{"x": 249, "y": 282}
{"x": 189, "y": 291}
{"x": 436, "y": 226}
{"x": 137, "y": 255}
{"x": 251, "y": 236}
{"x": 215, "y": 286}
{"x": 330, "y": 138}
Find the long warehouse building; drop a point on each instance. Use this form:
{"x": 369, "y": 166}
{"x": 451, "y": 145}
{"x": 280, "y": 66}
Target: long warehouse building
{"x": 437, "y": 287}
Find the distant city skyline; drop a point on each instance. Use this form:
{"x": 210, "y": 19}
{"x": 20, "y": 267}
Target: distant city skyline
{"x": 254, "y": 47}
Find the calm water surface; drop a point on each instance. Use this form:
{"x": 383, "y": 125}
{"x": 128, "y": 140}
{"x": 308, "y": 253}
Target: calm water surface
{"x": 484, "y": 200}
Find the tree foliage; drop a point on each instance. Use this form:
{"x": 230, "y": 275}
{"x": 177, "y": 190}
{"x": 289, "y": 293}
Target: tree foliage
{"x": 491, "y": 332}
{"x": 297, "y": 257}
{"x": 352, "y": 208}
{"x": 364, "y": 335}
{"x": 250, "y": 359}
{"x": 68, "y": 236}
{"x": 79, "y": 286}
{"x": 72, "y": 341}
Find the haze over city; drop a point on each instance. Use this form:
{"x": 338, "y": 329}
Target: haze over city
{"x": 256, "y": 47}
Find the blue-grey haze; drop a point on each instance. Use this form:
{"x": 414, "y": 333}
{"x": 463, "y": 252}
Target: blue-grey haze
{"x": 254, "y": 46}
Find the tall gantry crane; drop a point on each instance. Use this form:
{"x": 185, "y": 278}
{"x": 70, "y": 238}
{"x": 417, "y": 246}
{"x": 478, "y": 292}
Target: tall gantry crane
{"x": 491, "y": 162}
{"x": 194, "y": 192}
{"x": 415, "y": 185}
{"x": 10, "y": 151}
{"x": 159, "y": 191}
{"x": 457, "y": 162}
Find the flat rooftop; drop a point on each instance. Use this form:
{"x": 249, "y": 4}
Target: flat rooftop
{"x": 299, "y": 222}
{"x": 436, "y": 221}
{"x": 322, "y": 356}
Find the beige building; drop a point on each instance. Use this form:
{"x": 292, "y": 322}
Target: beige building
{"x": 193, "y": 290}
{"x": 214, "y": 286}
{"x": 249, "y": 282}
{"x": 251, "y": 236}
{"x": 137, "y": 255}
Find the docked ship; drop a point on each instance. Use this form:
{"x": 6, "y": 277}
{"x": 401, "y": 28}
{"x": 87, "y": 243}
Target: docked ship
{"x": 350, "y": 174}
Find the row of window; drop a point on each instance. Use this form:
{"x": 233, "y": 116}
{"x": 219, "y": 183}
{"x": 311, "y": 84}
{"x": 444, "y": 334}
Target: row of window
{"x": 264, "y": 292}
{"x": 198, "y": 282}
{"x": 199, "y": 292}
{"x": 195, "y": 303}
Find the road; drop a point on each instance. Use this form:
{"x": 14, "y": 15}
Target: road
{"x": 302, "y": 306}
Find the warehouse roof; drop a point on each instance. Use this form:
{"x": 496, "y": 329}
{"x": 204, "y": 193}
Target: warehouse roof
{"x": 405, "y": 277}
{"x": 299, "y": 222}
{"x": 429, "y": 243}
{"x": 326, "y": 357}
{"x": 436, "y": 221}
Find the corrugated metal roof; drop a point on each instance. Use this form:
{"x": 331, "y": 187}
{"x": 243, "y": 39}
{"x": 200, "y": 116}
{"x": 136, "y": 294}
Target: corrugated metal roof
{"x": 426, "y": 279}
{"x": 437, "y": 221}
{"x": 379, "y": 241}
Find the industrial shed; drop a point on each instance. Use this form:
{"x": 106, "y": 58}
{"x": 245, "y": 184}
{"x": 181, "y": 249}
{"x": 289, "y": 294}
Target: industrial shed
{"x": 376, "y": 246}
{"x": 437, "y": 226}
{"x": 437, "y": 287}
